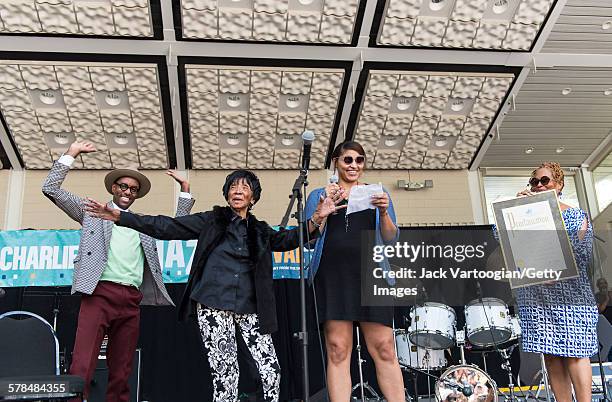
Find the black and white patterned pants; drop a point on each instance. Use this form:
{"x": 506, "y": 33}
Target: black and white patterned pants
{"x": 217, "y": 328}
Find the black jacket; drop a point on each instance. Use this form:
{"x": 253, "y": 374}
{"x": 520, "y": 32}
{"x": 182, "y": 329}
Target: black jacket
{"x": 209, "y": 228}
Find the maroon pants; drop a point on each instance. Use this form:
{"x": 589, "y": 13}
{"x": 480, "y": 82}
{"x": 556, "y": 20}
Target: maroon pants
{"x": 111, "y": 309}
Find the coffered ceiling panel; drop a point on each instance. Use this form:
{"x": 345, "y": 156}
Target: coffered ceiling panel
{"x": 427, "y": 120}
{"x": 465, "y": 24}
{"x": 122, "y": 18}
{"x": 307, "y": 21}
{"x": 241, "y": 116}
{"x": 46, "y": 106}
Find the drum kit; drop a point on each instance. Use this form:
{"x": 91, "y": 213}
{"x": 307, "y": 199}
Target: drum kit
{"x": 432, "y": 330}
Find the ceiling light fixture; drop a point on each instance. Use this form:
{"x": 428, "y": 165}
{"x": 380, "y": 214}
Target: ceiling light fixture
{"x": 47, "y": 97}
{"x": 529, "y": 150}
{"x": 293, "y": 102}
{"x": 566, "y": 91}
{"x": 606, "y": 25}
{"x": 608, "y": 92}
{"x": 306, "y": 2}
{"x": 437, "y": 5}
{"x": 403, "y": 104}
{"x": 441, "y": 142}
{"x": 500, "y": 6}
{"x": 61, "y": 139}
{"x": 112, "y": 99}
{"x": 457, "y": 105}
{"x": 560, "y": 149}
{"x": 389, "y": 142}
{"x": 121, "y": 139}
{"x": 233, "y": 140}
{"x": 287, "y": 140}
{"x": 234, "y": 100}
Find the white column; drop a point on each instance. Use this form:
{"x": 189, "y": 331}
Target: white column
{"x": 14, "y": 199}
{"x": 477, "y": 197}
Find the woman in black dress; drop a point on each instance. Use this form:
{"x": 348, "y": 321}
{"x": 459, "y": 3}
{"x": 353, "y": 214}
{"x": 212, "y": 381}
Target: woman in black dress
{"x": 337, "y": 264}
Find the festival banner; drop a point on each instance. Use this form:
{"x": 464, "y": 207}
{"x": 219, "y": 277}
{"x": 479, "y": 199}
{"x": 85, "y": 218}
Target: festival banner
{"x": 46, "y": 258}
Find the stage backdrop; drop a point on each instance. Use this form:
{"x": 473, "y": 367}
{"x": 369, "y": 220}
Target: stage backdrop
{"x": 45, "y": 258}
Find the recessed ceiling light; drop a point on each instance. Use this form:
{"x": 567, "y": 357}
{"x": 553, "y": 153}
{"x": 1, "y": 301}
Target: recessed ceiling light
{"x": 389, "y": 142}
{"x": 440, "y": 142}
{"x": 306, "y": 2}
{"x": 293, "y": 102}
{"x": 500, "y": 6}
{"x": 287, "y": 140}
{"x": 566, "y": 91}
{"x": 437, "y": 5}
{"x": 47, "y": 97}
{"x": 606, "y": 25}
{"x": 403, "y": 104}
{"x": 529, "y": 150}
{"x": 560, "y": 149}
{"x": 608, "y": 92}
{"x": 112, "y": 99}
{"x": 457, "y": 105}
{"x": 61, "y": 139}
{"x": 233, "y": 140}
{"x": 121, "y": 139}
{"x": 234, "y": 101}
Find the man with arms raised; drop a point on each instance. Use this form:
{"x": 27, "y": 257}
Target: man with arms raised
{"x": 116, "y": 270}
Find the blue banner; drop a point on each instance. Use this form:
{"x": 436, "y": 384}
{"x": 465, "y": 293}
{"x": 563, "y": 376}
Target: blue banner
{"x": 45, "y": 258}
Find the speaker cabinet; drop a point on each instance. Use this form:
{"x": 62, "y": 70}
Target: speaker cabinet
{"x": 100, "y": 380}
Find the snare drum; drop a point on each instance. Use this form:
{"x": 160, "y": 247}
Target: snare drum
{"x": 410, "y": 355}
{"x": 487, "y": 322}
{"x": 432, "y": 326}
{"x": 465, "y": 382}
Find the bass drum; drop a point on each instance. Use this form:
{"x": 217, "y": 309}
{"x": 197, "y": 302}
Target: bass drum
{"x": 465, "y": 383}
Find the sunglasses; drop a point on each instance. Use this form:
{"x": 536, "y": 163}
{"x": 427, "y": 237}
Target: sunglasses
{"x": 534, "y": 181}
{"x": 134, "y": 190}
{"x": 358, "y": 159}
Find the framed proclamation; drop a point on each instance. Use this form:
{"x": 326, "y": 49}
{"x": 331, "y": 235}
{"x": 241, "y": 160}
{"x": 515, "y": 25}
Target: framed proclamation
{"x": 534, "y": 242}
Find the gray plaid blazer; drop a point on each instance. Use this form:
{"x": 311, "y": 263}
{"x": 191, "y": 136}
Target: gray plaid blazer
{"x": 95, "y": 240}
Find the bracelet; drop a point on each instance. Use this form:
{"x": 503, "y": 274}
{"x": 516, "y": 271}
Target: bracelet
{"x": 316, "y": 225}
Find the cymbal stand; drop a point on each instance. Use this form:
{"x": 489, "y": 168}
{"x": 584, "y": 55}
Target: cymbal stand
{"x": 505, "y": 354}
{"x": 362, "y": 385}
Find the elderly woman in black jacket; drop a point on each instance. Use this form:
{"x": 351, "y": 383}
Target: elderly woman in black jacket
{"x": 231, "y": 276}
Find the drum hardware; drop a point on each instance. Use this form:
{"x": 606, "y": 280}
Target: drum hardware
{"x": 363, "y": 385}
{"x": 461, "y": 343}
{"x": 505, "y": 354}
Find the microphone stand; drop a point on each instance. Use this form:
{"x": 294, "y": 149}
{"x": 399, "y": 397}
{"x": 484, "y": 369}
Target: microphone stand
{"x": 297, "y": 195}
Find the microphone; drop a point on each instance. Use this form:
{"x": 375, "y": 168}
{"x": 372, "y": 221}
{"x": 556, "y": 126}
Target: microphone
{"x": 307, "y": 137}
{"x": 333, "y": 179}
{"x": 465, "y": 389}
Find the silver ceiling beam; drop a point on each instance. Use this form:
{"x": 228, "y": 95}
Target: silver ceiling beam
{"x": 307, "y": 52}
{"x": 173, "y": 83}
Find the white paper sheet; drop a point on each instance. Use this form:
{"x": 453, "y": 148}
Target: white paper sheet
{"x": 360, "y": 197}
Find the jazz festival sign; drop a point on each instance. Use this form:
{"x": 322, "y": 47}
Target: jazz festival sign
{"x": 46, "y": 258}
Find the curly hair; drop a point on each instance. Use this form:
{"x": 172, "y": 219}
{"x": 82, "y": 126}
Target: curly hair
{"x": 249, "y": 177}
{"x": 555, "y": 168}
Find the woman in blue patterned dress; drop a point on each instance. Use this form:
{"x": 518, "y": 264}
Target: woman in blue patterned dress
{"x": 560, "y": 319}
